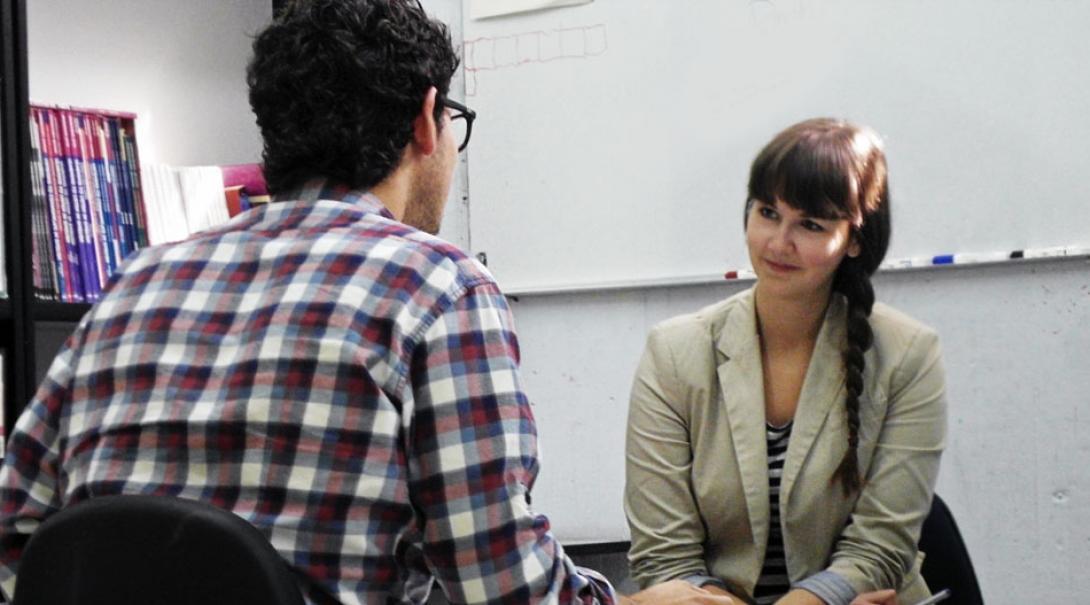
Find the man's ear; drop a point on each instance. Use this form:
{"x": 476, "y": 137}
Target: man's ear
{"x": 425, "y": 129}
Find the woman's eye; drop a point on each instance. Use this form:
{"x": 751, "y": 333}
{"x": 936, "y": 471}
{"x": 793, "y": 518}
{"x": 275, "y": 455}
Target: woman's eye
{"x": 812, "y": 226}
{"x": 767, "y": 212}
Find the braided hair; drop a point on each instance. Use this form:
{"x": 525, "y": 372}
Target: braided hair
{"x": 830, "y": 167}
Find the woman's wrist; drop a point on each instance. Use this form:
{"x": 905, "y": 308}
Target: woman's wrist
{"x": 829, "y": 587}
{"x": 701, "y": 580}
{"x": 800, "y": 596}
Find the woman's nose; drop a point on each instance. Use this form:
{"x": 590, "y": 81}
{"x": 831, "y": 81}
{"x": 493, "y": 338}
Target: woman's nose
{"x": 782, "y": 239}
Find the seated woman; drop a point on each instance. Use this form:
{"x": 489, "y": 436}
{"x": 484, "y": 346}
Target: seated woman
{"x": 783, "y": 444}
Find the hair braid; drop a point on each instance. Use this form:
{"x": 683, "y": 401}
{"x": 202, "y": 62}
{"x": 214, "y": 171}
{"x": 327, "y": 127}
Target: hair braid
{"x": 855, "y": 285}
{"x": 833, "y": 168}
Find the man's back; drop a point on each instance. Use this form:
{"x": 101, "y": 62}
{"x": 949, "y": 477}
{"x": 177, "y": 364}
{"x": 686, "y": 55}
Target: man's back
{"x": 283, "y": 367}
{"x": 322, "y": 366}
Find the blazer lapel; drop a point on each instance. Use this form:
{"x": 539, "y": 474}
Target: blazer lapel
{"x": 742, "y": 384}
{"x": 822, "y": 390}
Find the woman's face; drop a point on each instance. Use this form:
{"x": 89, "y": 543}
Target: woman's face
{"x": 794, "y": 254}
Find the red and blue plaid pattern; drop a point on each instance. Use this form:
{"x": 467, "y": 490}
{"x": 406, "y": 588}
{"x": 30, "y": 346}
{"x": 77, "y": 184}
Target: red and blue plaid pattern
{"x": 344, "y": 382}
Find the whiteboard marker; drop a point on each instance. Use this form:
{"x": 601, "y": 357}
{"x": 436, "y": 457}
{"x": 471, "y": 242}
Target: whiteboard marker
{"x": 1078, "y": 251}
{"x": 909, "y": 263}
{"x": 981, "y": 257}
{"x": 740, "y": 274}
{"x": 1045, "y": 252}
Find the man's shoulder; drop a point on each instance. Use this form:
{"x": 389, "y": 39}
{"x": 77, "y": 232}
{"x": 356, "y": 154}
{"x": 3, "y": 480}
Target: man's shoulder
{"x": 438, "y": 259}
{"x": 375, "y": 259}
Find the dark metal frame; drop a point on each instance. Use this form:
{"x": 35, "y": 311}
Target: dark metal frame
{"x": 17, "y": 338}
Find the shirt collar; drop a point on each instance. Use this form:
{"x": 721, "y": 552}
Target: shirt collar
{"x": 317, "y": 189}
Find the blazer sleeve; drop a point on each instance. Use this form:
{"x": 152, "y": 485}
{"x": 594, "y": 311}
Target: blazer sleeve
{"x": 879, "y": 546}
{"x": 667, "y": 531}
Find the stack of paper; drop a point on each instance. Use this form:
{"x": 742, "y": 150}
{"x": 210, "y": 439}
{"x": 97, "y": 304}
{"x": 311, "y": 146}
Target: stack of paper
{"x": 202, "y": 194}
{"x": 166, "y": 210}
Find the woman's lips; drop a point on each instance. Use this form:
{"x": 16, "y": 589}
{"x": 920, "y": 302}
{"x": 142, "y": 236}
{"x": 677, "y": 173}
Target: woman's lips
{"x": 780, "y": 267}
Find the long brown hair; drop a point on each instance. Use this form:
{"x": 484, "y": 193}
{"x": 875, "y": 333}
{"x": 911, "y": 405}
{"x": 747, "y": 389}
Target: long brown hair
{"x": 832, "y": 168}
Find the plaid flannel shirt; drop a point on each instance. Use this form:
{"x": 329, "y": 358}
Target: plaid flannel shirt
{"x": 344, "y": 382}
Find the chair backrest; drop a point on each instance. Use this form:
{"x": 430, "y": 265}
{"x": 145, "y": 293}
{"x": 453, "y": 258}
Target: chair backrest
{"x": 947, "y": 563}
{"x": 153, "y": 551}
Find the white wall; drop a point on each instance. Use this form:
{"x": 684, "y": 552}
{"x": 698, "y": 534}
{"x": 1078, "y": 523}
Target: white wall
{"x": 179, "y": 65}
{"x": 1016, "y": 339}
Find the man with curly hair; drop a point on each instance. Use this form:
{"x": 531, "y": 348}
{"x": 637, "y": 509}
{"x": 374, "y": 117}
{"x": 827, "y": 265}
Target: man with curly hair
{"x": 322, "y": 366}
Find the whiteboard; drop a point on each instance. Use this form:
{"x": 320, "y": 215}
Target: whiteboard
{"x": 614, "y": 138}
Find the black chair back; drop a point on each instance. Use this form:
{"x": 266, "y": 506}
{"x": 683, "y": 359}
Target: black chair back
{"x": 151, "y": 550}
{"x": 947, "y": 563}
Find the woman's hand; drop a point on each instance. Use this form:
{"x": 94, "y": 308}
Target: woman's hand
{"x": 805, "y": 597}
{"x": 680, "y": 592}
{"x": 878, "y": 597}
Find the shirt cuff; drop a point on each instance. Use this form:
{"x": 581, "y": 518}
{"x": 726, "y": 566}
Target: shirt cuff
{"x": 830, "y": 587}
{"x": 700, "y": 579}
{"x": 600, "y": 587}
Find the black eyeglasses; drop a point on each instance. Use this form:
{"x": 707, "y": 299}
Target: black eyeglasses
{"x": 461, "y": 119}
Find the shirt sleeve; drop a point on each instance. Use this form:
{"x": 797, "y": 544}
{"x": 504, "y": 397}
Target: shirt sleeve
{"x": 700, "y": 580}
{"x": 668, "y": 534}
{"x": 29, "y": 478}
{"x": 829, "y": 587}
{"x": 473, "y": 461}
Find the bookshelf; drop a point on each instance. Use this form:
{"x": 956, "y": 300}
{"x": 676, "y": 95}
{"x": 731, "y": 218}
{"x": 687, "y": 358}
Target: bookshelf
{"x": 15, "y": 333}
{"x": 32, "y": 329}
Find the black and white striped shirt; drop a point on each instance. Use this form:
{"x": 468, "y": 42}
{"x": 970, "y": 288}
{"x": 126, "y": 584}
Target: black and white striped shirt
{"x": 774, "y": 582}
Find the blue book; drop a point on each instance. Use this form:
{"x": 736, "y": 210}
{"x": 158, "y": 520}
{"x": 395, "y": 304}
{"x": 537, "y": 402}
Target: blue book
{"x": 45, "y": 284}
{"x": 52, "y": 197}
{"x": 124, "y": 195}
{"x": 87, "y": 259}
{"x": 92, "y": 206}
{"x": 102, "y": 193}
{"x": 110, "y": 185}
{"x": 140, "y": 227}
{"x": 66, "y": 188}
{"x": 133, "y": 185}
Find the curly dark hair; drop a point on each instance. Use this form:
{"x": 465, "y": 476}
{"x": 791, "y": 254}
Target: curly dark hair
{"x": 336, "y": 84}
{"x": 830, "y": 167}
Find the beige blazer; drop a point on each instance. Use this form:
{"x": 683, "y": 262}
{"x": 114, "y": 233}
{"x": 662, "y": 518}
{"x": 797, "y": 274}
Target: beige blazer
{"x": 696, "y": 491}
